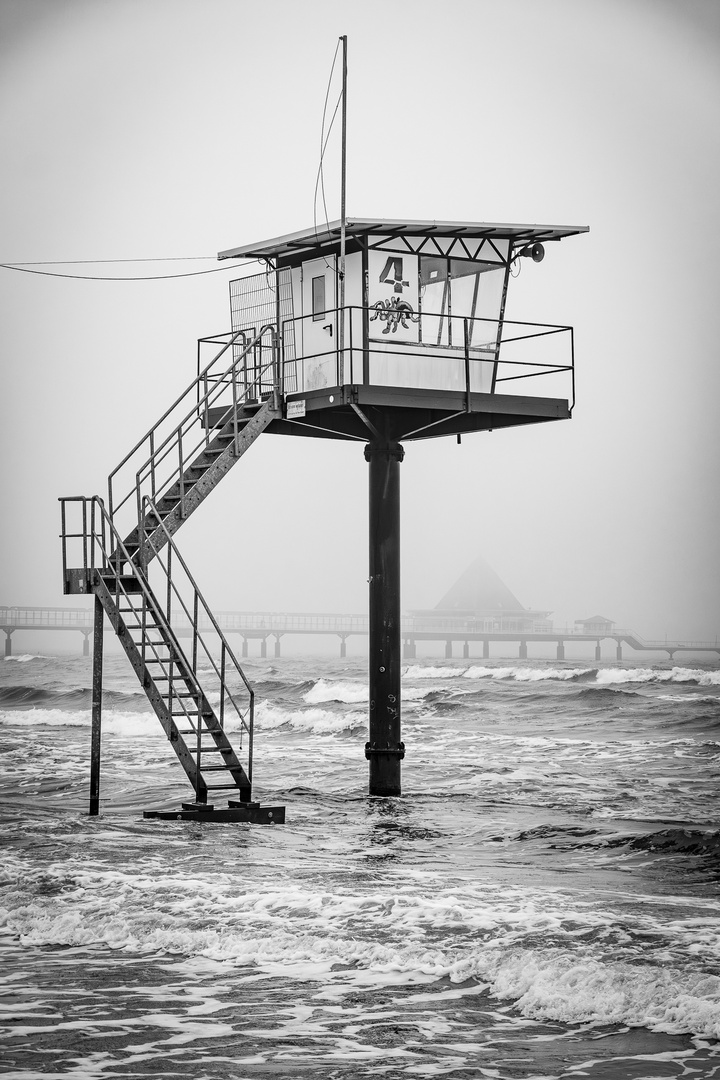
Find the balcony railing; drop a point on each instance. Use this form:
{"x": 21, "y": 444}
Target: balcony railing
{"x": 431, "y": 351}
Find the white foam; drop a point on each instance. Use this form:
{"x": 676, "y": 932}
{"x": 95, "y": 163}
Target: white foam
{"x": 612, "y": 676}
{"x": 325, "y": 690}
{"x": 690, "y": 699}
{"x": 23, "y": 658}
{"x": 114, "y": 722}
{"x": 353, "y": 693}
{"x": 527, "y": 674}
{"x": 315, "y": 721}
{"x": 489, "y": 934}
{"x": 416, "y": 671}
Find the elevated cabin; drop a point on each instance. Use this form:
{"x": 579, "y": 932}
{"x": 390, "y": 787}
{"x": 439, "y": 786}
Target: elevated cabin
{"x": 420, "y": 348}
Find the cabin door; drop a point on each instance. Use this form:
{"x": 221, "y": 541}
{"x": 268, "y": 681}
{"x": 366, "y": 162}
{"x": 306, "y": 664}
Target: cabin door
{"x": 319, "y": 323}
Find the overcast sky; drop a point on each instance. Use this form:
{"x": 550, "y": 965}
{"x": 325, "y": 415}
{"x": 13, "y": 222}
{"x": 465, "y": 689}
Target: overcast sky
{"x": 158, "y": 128}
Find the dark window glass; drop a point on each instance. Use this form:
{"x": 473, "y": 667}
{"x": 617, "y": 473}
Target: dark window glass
{"x": 318, "y": 298}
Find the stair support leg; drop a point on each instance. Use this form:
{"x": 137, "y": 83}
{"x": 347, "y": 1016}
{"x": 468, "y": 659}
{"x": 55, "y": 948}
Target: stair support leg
{"x": 384, "y": 750}
{"x": 95, "y": 737}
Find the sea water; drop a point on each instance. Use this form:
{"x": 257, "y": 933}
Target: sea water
{"x": 541, "y": 902}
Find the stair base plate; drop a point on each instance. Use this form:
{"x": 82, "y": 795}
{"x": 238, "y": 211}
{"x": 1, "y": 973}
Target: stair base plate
{"x": 236, "y": 811}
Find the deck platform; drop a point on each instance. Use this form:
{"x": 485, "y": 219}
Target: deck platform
{"x": 406, "y": 414}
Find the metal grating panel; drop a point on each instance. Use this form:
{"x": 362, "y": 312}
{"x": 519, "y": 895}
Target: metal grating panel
{"x": 254, "y": 303}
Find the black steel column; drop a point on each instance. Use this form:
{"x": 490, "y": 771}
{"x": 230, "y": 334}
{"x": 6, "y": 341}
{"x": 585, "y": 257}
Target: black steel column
{"x": 96, "y": 709}
{"x": 384, "y": 750}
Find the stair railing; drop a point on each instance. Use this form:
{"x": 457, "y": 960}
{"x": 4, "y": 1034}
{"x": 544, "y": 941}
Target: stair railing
{"x": 186, "y": 427}
{"x": 103, "y": 549}
{"x": 166, "y": 559}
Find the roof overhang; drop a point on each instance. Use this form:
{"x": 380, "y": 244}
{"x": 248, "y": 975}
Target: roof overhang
{"x": 314, "y": 239}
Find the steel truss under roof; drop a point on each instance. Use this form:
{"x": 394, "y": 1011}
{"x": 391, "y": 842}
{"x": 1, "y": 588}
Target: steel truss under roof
{"x": 356, "y": 229}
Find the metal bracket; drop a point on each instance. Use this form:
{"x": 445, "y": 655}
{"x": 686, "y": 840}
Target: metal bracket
{"x": 372, "y": 749}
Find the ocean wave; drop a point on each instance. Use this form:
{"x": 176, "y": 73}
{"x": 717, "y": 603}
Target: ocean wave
{"x": 528, "y": 674}
{"x": 24, "y": 658}
{"x": 611, "y": 676}
{"x": 32, "y": 696}
{"x": 553, "y": 963}
{"x": 313, "y": 721}
{"x": 417, "y": 671}
{"x": 704, "y": 842}
{"x": 352, "y": 693}
{"x": 690, "y": 699}
{"x": 605, "y": 694}
{"x": 114, "y": 722}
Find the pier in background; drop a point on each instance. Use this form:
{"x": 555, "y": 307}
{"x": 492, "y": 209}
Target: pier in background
{"x": 454, "y": 635}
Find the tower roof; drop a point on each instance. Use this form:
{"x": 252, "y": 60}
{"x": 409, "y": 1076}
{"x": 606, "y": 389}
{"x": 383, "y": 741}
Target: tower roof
{"x": 308, "y": 240}
{"x": 479, "y": 589}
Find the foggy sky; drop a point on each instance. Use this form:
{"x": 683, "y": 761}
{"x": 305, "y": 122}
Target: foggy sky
{"x": 156, "y": 128}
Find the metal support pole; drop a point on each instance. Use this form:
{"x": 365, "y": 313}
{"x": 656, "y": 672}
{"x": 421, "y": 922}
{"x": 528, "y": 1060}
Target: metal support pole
{"x": 96, "y": 709}
{"x": 384, "y": 750}
{"x": 343, "y": 217}
{"x": 8, "y": 642}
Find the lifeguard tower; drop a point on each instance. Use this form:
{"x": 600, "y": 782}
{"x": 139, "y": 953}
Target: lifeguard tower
{"x": 381, "y": 332}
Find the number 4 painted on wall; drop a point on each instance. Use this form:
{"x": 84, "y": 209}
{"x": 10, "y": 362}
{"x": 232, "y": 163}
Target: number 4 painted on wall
{"x": 394, "y": 267}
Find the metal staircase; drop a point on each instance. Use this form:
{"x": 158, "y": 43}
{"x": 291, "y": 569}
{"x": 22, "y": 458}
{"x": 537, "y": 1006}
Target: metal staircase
{"x": 126, "y": 556}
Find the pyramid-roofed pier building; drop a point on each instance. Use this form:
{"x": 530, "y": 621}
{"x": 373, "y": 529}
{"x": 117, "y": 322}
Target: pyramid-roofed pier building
{"x": 482, "y": 602}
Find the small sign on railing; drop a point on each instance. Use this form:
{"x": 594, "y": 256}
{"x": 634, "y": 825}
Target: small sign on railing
{"x": 295, "y": 409}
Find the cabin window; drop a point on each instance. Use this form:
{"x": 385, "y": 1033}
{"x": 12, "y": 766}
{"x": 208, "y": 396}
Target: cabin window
{"x": 452, "y": 290}
{"x": 318, "y": 298}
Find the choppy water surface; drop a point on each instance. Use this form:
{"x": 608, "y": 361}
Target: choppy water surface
{"x": 542, "y": 902}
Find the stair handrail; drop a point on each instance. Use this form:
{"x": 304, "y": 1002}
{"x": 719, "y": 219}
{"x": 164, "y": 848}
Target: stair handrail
{"x": 197, "y": 602}
{"x": 174, "y": 440}
{"x": 198, "y": 409}
{"x": 118, "y": 559}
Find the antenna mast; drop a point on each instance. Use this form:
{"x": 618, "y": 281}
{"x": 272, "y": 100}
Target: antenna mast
{"x": 343, "y": 172}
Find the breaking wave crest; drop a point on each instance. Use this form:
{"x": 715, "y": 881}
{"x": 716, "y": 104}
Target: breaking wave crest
{"x": 545, "y": 962}
{"x": 351, "y": 693}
